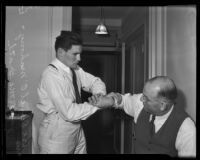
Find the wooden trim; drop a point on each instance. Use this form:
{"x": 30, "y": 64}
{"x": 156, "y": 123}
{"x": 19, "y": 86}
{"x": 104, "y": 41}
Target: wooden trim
{"x": 123, "y": 91}
{"x": 157, "y": 41}
{"x": 97, "y": 48}
{"x": 164, "y": 22}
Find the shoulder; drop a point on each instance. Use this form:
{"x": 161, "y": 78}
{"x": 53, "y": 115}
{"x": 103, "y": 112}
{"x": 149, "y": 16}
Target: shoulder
{"x": 188, "y": 125}
{"x": 50, "y": 72}
{"x": 188, "y": 122}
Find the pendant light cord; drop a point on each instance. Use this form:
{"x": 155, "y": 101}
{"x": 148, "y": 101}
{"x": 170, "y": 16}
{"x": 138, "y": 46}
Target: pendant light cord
{"x": 102, "y": 16}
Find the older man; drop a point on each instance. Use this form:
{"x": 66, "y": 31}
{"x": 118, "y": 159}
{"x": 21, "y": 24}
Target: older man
{"x": 173, "y": 132}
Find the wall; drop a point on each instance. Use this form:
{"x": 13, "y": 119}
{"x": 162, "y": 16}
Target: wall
{"x": 181, "y": 54}
{"x": 133, "y": 21}
{"x": 30, "y": 35}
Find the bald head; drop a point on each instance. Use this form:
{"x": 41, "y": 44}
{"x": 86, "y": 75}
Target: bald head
{"x": 162, "y": 87}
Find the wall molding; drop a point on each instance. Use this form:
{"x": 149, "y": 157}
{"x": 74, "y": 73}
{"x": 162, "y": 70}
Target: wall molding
{"x": 55, "y": 25}
{"x": 157, "y": 41}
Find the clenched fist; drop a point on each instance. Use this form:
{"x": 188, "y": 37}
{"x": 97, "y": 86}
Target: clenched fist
{"x": 101, "y": 101}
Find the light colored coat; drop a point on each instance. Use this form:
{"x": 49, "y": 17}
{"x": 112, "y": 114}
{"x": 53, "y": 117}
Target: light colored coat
{"x": 61, "y": 132}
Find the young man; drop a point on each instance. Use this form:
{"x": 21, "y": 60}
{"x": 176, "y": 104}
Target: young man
{"x": 173, "y": 132}
{"x": 59, "y": 95}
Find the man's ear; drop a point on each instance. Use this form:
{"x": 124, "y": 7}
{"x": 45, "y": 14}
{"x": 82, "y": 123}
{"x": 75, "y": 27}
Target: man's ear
{"x": 163, "y": 106}
{"x": 60, "y": 52}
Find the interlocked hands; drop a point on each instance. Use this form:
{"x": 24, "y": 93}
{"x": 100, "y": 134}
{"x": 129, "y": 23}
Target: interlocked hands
{"x": 104, "y": 101}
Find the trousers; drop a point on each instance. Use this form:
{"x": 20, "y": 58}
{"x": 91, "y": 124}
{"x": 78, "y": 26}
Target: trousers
{"x": 57, "y": 136}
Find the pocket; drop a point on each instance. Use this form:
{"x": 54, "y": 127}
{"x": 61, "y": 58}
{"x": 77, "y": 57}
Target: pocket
{"x": 43, "y": 130}
{"x": 47, "y": 128}
{"x": 43, "y": 134}
{"x": 44, "y": 124}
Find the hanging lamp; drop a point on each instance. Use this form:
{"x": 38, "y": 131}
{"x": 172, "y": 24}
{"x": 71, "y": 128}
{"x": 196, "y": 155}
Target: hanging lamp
{"x": 101, "y": 28}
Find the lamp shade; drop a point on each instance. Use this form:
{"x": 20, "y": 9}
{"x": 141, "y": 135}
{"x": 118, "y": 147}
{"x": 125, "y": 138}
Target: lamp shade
{"x": 101, "y": 29}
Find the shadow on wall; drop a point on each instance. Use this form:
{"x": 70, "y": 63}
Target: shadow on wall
{"x": 181, "y": 100}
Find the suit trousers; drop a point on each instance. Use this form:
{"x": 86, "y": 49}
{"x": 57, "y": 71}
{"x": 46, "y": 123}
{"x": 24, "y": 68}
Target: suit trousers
{"x": 57, "y": 136}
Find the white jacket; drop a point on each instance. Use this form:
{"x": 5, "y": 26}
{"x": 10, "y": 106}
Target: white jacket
{"x": 60, "y": 130}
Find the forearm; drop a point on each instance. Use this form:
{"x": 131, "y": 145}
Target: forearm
{"x": 117, "y": 99}
{"x": 91, "y": 83}
{"x": 130, "y": 103}
{"x": 77, "y": 112}
{"x": 63, "y": 102}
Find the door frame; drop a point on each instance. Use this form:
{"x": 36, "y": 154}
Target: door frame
{"x": 155, "y": 28}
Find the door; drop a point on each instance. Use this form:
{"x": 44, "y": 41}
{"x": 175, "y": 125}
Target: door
{"x": 135, "y": 77}
{"x": 99, "y": 127}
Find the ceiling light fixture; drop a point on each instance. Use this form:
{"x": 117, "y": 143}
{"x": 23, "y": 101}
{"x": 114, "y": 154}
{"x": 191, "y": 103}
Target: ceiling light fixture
{"x": 101, "y": 28}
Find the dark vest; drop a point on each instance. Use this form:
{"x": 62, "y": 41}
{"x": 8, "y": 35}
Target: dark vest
{"x": 163, "y": 141}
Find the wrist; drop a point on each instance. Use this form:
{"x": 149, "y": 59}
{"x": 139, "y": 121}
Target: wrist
{"x": 119, "y": 99}
{"x": 113, "y": 101}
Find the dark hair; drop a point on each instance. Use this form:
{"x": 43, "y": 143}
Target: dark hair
{"x": 66, "y": 39}
{"x": 168, "y": 90}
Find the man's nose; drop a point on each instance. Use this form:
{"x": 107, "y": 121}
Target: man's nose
{"x": 78, "y": 57}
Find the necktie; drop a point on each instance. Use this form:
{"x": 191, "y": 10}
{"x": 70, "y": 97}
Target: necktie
{"x": 78, "y": 97}
{"x": 152, "y": 127}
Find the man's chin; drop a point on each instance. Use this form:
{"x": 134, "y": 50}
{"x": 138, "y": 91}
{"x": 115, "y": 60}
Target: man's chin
{"x": 75, "y": 66}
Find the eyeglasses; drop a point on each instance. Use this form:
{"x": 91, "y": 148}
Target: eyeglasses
{"x": 144, "y": 98}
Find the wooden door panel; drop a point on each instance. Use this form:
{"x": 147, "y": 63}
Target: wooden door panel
{"x": 135, "y": 77}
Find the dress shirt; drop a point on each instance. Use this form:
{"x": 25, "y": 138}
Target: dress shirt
{"x": 186, "y": 137}
{"x": 56, "y": 92}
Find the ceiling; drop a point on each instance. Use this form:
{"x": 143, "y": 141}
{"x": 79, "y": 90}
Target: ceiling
{"x": 86, "y": 16}
{"x": 110, "y": 12}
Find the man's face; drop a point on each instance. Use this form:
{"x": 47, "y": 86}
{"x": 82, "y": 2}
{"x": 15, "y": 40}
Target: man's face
{"x": 149, "y": 98}
{"x": 72, "y": 57}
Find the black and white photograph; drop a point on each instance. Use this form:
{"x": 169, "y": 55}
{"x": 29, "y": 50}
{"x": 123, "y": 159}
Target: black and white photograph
{"x": 100, "y": 80}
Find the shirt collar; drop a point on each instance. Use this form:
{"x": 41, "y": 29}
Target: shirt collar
{"x": 166, "y": 115}
{"x": 60, "y": 65}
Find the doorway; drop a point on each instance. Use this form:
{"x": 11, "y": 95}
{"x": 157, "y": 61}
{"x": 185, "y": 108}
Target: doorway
{"x": 136, "y": 73}
{"x": 99, "y": 127}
